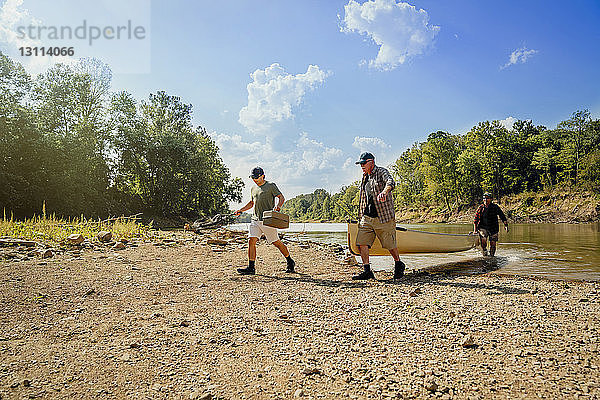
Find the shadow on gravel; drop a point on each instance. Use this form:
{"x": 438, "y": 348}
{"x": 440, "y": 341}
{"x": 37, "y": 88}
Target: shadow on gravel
{"x": 438, "y": 275}
{"x": 443, "y": 274}
{"x": 319, "y": 282}
{"x": 475, "y": 266}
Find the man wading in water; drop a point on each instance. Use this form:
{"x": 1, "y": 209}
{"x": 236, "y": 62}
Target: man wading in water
{"x": 376, "y": 214}
{"x": 486, "y": 224}
{"x": 263, "y": 199}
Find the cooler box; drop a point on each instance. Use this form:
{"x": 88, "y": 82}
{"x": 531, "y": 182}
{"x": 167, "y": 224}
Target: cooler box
{"x": 276, "y": 219}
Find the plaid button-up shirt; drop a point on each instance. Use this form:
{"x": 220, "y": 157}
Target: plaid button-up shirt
{"x": 486, "y": 217}
{"x": 374, "y": 183}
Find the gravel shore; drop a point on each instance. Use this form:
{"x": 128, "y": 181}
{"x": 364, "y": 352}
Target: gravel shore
{"x": 174, "y": 320}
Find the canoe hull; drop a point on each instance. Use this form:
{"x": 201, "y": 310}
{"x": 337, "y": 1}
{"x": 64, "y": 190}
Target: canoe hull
{"x": 410, "y": 241}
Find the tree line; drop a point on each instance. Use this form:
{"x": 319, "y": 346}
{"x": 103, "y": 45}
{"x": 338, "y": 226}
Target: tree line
{"x": 454, "y": 170}
{"x": 68, "y": 141}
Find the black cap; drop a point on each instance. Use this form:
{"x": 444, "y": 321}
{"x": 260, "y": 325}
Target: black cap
{"x": 256, "y": 172}
{"x": 364, "y": 157}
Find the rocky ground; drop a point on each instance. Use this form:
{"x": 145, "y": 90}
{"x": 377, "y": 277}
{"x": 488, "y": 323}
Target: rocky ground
{"x": 172, "y": 319}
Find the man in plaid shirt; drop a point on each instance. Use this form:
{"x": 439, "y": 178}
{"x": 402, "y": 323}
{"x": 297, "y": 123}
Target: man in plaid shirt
{"x": 377, "y": 215}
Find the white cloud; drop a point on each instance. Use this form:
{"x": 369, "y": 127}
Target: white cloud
{"x": 12, "y": 15}
{"x": 307, "y": 165}
{"x": 369, "y": 143}
{"x": 310, "y": 164}
{"x": 17, "y": 29}
{"x": 399, "y": 29}
{"x": 273, "y": 95}
{"x": 298, "y": 163}
{"x": 519, "y": 56}
{"x": 508, "y": 122}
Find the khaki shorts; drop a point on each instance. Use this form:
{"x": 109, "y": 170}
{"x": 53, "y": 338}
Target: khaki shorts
{"x": 484, "y": 233}
{"x": 369, "y": 227}
{"x": 257, "y": 229}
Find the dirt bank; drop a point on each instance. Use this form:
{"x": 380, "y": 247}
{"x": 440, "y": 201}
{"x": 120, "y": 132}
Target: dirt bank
{"x": 175, "y": 321}
{"x": 548, "y": 207}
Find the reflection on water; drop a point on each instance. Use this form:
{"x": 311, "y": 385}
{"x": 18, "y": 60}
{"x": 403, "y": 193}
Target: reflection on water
{"x": 556, "y": 251}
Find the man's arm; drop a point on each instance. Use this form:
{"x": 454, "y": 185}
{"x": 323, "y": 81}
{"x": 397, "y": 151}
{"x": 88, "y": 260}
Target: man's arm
{"x": 477, "y": 218}
{"x": 502, "y": 217}
{"x": 280, "y": 200}
{"x": 245, "y": 208}
{"x": 389, "y": 185}
{"x": 384, "y": 193}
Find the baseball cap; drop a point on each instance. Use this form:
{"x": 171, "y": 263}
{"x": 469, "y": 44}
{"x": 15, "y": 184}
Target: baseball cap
{"x": 364, "y": 157}
{"x": 256, "y": 172}
{"x": 488, "y": 195}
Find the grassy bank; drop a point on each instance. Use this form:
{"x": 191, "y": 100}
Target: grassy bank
{"x": 52, "y": 230}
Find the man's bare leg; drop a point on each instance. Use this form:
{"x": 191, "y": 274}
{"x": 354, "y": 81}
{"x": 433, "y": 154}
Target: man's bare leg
{"x": 252, "y": 248}
{"x": 492, "y": 247}
{"x": 399, "y": 266}
{"x": 367, "y": 273}
{"x": 483, "y": 246}
{"x": 251, "y": 258}
{"x": 364, "y": 254}
{"x": 286, "y": 253}
{"x": 394, "y": 253}
{"x": 282, "y": 248}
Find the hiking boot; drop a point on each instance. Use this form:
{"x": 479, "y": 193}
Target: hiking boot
{"x": 290, "y": 267}
{"x": 399, "y": 269}
{"x": 246, "y": 271}
{"x": 363, "y": 276}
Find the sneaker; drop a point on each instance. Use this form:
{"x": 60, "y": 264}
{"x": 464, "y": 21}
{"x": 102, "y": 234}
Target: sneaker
{"x": 399, "y": 270}
{"x": 246, "y": 271}
{"x": 290, "y": 267}
{"x": 364, "y": 276}
{"x": 484, "y": 252}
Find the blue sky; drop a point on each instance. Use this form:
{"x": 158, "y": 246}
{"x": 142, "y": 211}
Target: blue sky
{"x": 302, "y": 87}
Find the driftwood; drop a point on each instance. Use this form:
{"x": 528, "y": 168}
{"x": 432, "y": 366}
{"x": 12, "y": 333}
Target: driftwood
{"x": 18, "y": 242}
{"x": 134, "y": 217}
{"x": 210, "y": 223}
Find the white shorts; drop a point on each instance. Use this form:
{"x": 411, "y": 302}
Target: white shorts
{"x": 257, "y": 229}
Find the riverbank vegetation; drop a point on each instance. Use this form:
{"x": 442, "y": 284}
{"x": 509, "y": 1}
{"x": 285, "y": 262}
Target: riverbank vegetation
{"x": 526, "y": 166}
{"x": 52, "y": 230}
{"x": 68, "y": 141}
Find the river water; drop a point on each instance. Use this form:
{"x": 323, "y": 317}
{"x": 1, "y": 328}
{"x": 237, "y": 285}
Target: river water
{"x": 555, "y": 251}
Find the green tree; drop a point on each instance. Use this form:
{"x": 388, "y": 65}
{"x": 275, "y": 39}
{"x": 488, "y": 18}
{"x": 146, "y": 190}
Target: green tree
{"x": 491, "y": 142}
{"x": 172, "y": 168}
{"x": 408, "y": 173}
{"x": 440, "y": 154}
{"x": 346, "y": 202}
{"x": 577, "y": 135}
{"x": 469, "y": 176}
{"x": 69, "y": 105}
{"x": 590, "y": 170}
{"x": 21, "y": 143}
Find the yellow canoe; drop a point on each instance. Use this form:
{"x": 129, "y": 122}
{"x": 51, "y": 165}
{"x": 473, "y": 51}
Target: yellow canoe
{"x": 410, "y": 241}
